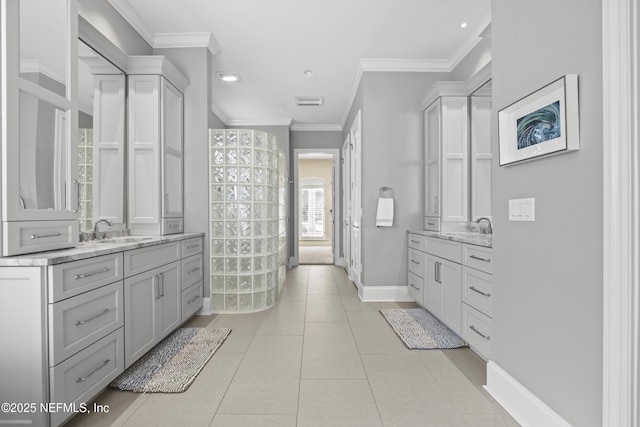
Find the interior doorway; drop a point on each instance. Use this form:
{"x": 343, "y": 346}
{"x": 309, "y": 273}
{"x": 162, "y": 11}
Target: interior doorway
{"x": 316, "y": 205}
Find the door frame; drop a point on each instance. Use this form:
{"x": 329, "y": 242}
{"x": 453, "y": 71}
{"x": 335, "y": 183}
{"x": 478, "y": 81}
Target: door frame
{"x": 355, "y": 139}
{"x": 621, "y": 224}
{"x": 335, "y": 186}
{"x": 345, "y": 214}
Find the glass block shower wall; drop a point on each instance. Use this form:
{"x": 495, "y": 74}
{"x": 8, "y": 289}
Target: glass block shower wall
{"x": 85, "y": 177}
{"x": 248, "y": 192}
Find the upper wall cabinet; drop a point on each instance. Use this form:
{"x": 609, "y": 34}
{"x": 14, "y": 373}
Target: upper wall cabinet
{"x": 446, "y": 161}
{"x": 155, "y": 147}
{"x": 39, "y": 120}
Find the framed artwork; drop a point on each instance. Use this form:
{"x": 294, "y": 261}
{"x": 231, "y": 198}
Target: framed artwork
{"x": 541, "y": 124}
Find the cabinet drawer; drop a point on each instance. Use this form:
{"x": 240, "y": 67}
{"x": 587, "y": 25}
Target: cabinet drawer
{"x": 23, "y": 237}
{"x": 444, "y": 249}
{"x": 477, "y": 257}
{"x": 73, "y": 278}
{"x": 416, "y": 263}
{"x": 172, "y": 225}
{"x": 416, "y": 241}
{"x": 77, "y": 322}
{"x": 79, "y": 378}
{"x": 143, "y": 259}
{"x": 191, "y": 300}
{"x": 192, "y": 270}
{"x": 477, "y": 330}
{"x": 192, "y": 246}
{"x": 416, "y": 288}
{"x": 477, "y": 289}
{"x": 432, "y": 223}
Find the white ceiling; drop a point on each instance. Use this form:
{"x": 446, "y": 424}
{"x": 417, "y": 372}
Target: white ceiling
{"x": 271, "y": 42}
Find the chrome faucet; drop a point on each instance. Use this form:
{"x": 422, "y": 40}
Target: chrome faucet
{"x": 489, "y": 224}
{"x": 95, "y": 227}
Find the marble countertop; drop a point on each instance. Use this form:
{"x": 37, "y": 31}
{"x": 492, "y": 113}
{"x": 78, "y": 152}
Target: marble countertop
{"x": 477, "y": 239}
{"x": 91, "y": 249}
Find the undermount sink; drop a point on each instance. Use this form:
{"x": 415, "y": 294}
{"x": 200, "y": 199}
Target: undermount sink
{"x": 128, "y": 239}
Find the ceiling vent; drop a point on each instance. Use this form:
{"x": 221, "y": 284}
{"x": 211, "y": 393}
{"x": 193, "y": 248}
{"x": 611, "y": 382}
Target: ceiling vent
{"x": 308, "y": 101}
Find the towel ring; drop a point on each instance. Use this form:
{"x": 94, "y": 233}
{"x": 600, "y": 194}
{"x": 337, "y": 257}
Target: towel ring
{"x": 385, "y": 189}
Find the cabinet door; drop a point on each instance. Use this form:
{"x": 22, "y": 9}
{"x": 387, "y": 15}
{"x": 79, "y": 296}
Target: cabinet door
{"x": 172, "y": 150}
{"x": 169, "y": 299}
{"x": 454, "y": 158}
{"x": 480, "y": 157}
{"x": 140, "y": 293}
{"x": 433, "y": 285}
{"x": 143, "y": 149}
{"x": 432, "y": 137}
{"x": 451, "y": 278}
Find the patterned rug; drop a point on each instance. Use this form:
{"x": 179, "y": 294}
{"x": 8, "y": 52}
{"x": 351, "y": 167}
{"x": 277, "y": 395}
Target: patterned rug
{"x": 419, "y": 330}
{"x": 173, "y": 364}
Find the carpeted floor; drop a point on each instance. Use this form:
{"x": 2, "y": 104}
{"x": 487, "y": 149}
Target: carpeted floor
{"x": 315, "y": 255}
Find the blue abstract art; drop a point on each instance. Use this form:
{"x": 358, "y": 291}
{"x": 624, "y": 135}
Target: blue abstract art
{"x": 539, "y": 126}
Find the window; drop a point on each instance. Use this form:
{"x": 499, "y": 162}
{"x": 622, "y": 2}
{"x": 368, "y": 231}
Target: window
{"x": 312, "y": 209}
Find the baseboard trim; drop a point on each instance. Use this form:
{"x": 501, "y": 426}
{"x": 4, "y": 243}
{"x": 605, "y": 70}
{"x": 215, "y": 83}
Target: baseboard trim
{"x": 519, "y": 402}
{"x": 384, "y": 294}
{"x": 206, "y": 307}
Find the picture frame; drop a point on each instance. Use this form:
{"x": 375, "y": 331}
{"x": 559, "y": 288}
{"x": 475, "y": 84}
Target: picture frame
{"x": 544, "y": 123}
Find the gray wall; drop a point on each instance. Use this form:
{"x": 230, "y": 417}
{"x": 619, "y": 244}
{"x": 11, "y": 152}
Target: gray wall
{"x": 105, "y": 19}
{"x": 548, "y": 273}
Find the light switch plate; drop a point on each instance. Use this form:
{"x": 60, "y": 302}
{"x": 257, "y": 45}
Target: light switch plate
{"x": 522, "y": 209}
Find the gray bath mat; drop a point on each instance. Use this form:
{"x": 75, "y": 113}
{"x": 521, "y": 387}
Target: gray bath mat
{"x": 419, "y": 330}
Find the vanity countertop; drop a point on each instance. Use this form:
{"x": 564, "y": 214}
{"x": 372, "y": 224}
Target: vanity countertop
{"x": 90, "y": 249}
{"x": 477, "y": 239}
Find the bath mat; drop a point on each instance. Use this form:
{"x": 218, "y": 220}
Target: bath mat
{"x": 419, "y": 330}
{"x": 173, "y": 364}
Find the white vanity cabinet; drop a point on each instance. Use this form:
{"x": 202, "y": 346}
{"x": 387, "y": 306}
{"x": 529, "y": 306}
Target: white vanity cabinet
{"x": 71, "y": 322}
{"x": 446, "y": 161}
{"x": 477, "y": 283}
{"x": 38, "y": 124}
{"x": 155, "y": 147}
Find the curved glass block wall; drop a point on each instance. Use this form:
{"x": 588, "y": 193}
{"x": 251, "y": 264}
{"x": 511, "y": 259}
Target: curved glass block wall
{"x": 248, "y": 192}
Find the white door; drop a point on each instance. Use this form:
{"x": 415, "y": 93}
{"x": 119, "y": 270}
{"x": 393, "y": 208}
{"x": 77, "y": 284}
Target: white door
{"x": 346, "y": 203}
{"x": 172, "y": 150}
{"x": 356, "y": 215}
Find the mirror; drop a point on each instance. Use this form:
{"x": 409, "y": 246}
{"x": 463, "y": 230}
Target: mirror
{"x": 101, "y": 139}
{"x": 43, "y": 56}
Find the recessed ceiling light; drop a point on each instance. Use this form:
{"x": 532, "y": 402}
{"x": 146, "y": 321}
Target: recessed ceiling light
{"x": 229, "y": 77}
{"x": 463, "y": 25}
{"x": 309, "y": 72}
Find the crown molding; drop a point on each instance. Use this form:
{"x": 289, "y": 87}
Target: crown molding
{"x": 157, "y": 64}
{"x": 131, "y": 16}
{"x": 456, "y": 88}
{"x": 101, "y": 44}
{"x": 34, "y": 66}
{"x": 463, "y": 50}
{"x": 352, "y": 95}
{"x": 266, "y": 122}
{"x": 309, "y": 127}
{"x": 173, "y": 40}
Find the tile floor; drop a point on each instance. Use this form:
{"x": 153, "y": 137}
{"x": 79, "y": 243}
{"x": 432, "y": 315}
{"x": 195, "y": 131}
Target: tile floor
{"x": 321, "y": 357}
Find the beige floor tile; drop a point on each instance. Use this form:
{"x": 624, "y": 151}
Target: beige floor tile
{"x": 490, "y": 421}
{"x": 238, "y": 323}
{"x": 325, "y": 308}
{"x": 322, "y": 286}
{"x": 221, "y": 420}
{"x": 271, "y": 358}
{"x": 374, "y": 335}
{"x": 286, "y": 318}
{"x": 121, "y": 404}
{"x": 294, "y": 292}
{"x": 335, "y": 403}
{"x": 170, "y": 411}
{"x": 236, "y": 343}
{"x": 330, "y": 352}
{"x": 352, "y": 302}
{"x": 252, "y": 396}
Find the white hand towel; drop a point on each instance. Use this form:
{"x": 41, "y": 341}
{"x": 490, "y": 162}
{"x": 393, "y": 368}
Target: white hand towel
{"x": 384, "y": 215}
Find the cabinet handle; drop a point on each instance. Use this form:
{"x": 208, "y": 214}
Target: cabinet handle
{"x": 439, "y": 272}
{"x": 415, "y": 262}
{"x": 77, "y": 184}
{"x": 193, "y": 270}
{"x": 480, "y": 259}
{"x": 102, "y": 313}
{"x": 193, "y": 300}
{"x": 436, "y": 199}
{"x": 161, "y": 285}
{"x": 486, "y": 337}
{"x": 193, "y": 246}
{"x": 431, "y": 223}
{"x": 42, "y": 236}
{"x": 414, "y": 287}
{"x": 93, "y": 273}
{"x": 415, "y": 241}
{"x": 480, "y": 292}
{"x": 172, "y": 226}
{"x": 102, "y": 365}
{"x": 156, "y": 279}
